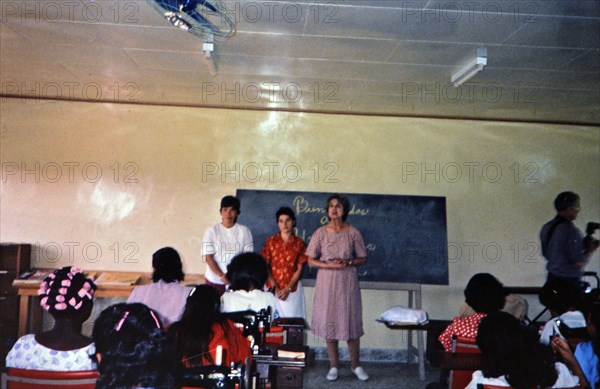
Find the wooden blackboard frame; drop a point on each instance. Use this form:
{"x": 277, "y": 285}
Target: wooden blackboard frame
{"x": 408, "y": 232}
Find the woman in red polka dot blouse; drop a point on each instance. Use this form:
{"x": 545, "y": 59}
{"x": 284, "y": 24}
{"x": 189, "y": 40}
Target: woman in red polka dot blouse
{"x": 485, "y": 294}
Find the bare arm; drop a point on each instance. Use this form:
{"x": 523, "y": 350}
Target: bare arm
{"x": 561, "y": 347}
{"x": 312, "y": 262}
{"x": 212, "y": 264}
{"x": 355, "y": 261}
{"x": 284, "y": 293}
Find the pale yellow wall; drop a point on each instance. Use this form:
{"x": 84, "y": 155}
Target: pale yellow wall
{"x": 171, "y": 203}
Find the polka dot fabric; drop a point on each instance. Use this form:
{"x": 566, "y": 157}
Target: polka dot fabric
{"x": 460, "y": 326}
{"x": 27, "y": 353}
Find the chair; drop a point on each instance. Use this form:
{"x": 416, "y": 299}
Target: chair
{"x": 41, "y": 379}
{"x": 462, "y": 345}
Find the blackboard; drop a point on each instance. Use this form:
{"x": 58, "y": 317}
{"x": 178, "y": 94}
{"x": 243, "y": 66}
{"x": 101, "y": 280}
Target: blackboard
{"x": 406, "y": 236}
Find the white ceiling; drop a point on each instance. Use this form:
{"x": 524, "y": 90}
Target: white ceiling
{"x": 388, "y": 57}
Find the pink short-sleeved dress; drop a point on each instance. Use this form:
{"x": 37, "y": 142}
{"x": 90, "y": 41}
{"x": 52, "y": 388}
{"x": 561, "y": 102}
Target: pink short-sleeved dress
{"x": 337, "y": 307}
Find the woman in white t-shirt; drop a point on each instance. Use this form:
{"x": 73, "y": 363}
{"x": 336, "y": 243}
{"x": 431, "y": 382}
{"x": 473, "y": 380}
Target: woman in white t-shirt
{"x": 247, "y": 274}
{"x": 564, "y": 300}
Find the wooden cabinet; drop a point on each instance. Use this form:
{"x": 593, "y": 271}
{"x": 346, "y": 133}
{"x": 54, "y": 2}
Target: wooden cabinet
{"x": 14, "y": 260}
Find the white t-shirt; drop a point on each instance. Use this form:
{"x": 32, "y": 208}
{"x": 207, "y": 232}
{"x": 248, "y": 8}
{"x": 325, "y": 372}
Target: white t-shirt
{"x": 565, "y": 379}
{"x": 224, "y": 244}
{"x": 573, "y": 319}
{"x": 255, "y": 300}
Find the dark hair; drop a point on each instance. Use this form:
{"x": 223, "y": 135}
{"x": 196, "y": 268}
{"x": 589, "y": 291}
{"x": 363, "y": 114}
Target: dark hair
{"x": 133, "y": 348}
{"x": 484, "y": 293}
{"x": 511, "y": 350}
{"x": 285, "y": 211}
{"x": 66, "y": 291}
{"x": 231, "y": 201}
{"x": 167, "y": 265}
{"x": 192, "y": 334}
{"x": 560, "y": 295}
{"x": 343, "y": 200}
{"x": 565, "y": 200}
{"x": 247, "y": 271}
{"x": 594, "y": 319}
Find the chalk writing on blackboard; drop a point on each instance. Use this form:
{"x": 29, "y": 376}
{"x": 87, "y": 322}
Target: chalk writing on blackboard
{"x": 406, "y": 236}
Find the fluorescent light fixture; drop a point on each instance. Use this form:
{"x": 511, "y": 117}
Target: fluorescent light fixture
{"x": 471, "y": 69}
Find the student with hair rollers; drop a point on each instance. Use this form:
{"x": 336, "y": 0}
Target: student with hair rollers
{"x": 67, "y": 295}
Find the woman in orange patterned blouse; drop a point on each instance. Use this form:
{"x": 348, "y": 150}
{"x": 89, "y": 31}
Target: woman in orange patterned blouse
{"x": 285, "y": 254}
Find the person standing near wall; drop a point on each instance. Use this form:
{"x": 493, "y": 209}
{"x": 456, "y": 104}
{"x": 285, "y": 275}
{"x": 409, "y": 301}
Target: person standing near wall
{"x": 336, "y": 249}
{"x": 285, "y": 254}
{"x": 223, "y": 241}
{"x": 563, "y": 244}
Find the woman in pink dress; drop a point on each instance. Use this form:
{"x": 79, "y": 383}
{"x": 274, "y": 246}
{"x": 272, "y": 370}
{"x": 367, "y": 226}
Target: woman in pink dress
{"x": 336, "y": 249}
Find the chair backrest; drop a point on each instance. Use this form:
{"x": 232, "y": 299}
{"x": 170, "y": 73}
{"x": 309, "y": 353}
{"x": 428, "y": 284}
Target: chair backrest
{"x": 459, "y": 379}
{"x": 41, "y": 379}
{"x": 461, "y": 344}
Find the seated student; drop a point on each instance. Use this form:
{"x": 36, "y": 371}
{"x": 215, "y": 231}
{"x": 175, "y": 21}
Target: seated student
{"x": 132, "y": 349}
{"x": 247, "y": 274}
{"x": 165, "y": 295}
{"x": 563, "y": 300}
{"x": 485, "y": 294}
{"x": 202, "y": 328}
{"x": 584, "y": 362}
{"x": 512, "y": 356}
{"x": 68, "y": 296}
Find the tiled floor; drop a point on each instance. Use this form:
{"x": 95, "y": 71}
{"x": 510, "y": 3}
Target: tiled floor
{"x": 382, "y": 376}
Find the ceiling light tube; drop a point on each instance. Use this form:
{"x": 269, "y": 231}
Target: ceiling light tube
{"x": 471, "y": 69}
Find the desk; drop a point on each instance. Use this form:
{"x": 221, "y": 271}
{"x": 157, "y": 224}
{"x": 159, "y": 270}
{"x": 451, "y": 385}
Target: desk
{"x": 461, "y": 361}
{"x": 294, "y": 329}
{"x": 27, "y": 291}
{"x": 288, "y": 372}
{"x": 433, "y": 328}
